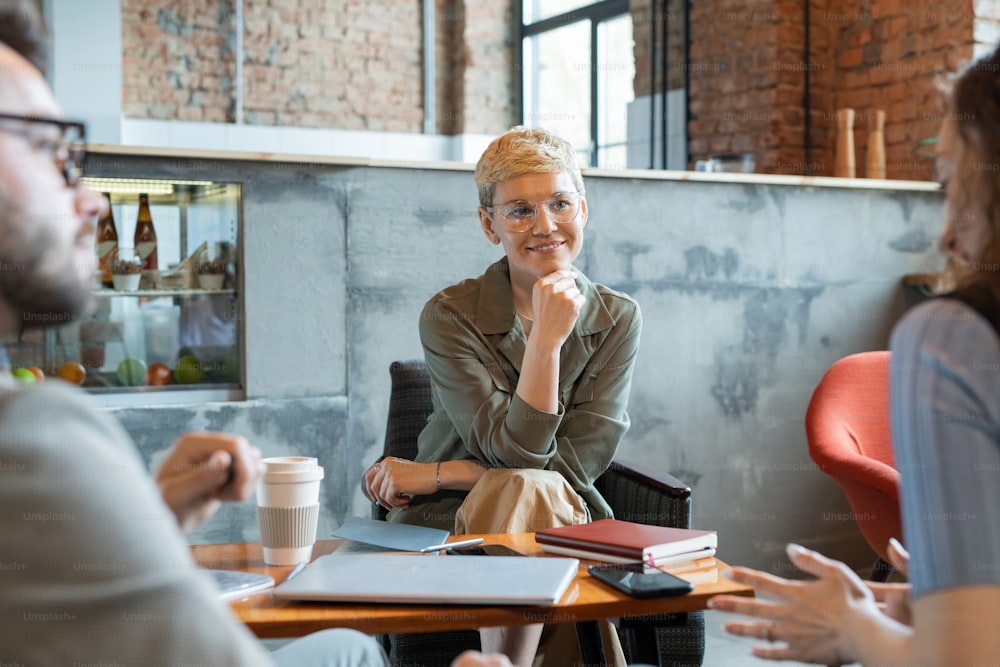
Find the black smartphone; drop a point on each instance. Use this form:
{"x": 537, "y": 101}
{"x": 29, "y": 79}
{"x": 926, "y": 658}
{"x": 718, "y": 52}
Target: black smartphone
{"x": 639, "y": 581}
{"x": 485, "y": 550}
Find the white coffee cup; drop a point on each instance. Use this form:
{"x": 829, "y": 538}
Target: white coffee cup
{"x": 288, "y": 508}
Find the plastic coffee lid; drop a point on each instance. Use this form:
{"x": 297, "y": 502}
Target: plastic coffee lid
{"x": 292, "y": 469}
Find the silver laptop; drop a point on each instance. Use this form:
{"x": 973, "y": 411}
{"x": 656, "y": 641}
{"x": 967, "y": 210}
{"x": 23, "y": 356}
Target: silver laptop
{"x": 432, "y": 579}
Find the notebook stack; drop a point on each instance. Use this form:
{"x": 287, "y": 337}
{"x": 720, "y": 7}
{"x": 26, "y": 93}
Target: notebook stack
{"x": 616, "y": 541}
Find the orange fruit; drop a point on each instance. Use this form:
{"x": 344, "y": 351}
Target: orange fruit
{"x": 158, "y": 374}
{"x": 73, "y": 372}
{"x": 37, "y": 372}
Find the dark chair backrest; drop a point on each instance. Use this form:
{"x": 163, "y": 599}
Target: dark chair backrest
{"x": 409, "y": 407}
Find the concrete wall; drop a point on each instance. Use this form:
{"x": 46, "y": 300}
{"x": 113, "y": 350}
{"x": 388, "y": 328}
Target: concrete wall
{"x": 750, "y": 290}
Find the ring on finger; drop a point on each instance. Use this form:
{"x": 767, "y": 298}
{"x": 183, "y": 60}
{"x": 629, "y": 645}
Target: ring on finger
{"x": 769, "y": 632}
{"x": 375, "y": 467}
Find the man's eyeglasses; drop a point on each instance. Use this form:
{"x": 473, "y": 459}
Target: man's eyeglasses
{"x": 65, "y": 141}
{"x": 520, "y": 216}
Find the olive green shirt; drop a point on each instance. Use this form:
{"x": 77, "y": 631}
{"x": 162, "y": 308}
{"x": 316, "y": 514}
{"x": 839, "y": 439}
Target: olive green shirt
{"x": 474, "y": 346}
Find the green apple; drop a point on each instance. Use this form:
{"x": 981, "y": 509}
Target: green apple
{"x": 24, "y": 375}
{"x": 132, "y": 372}
{"x": 188, "y": 370}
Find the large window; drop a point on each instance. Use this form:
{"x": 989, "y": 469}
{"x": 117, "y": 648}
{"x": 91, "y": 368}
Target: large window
{"x": 579, "y": 66}
{"x": 610, "y": 76}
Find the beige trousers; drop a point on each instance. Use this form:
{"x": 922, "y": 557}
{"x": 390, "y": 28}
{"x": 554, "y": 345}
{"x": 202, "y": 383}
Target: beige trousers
{"x": 524, "y": 501}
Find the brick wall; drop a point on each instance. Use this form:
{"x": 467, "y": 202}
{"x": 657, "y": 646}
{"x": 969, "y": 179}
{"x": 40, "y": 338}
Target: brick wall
{"x": 357, "y": 65}
{"x": 745, "y": 62}
{"x": 350, "y": 65}
{"x": 864, "y": 54}
{"x": 487, "y": 72}
{"x": 342, "y": 64}
{"x": 178, "y": 60}
{"x": 891, "y": 55}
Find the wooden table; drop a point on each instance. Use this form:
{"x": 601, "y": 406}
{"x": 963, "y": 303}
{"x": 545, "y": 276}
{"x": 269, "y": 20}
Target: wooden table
{"x": 586, "y": 599}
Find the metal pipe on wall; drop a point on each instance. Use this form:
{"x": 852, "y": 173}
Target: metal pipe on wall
{"x": 807, "y": 96}
{"x": 430, "y": 64}
{"x": 687, "y": 85}
{"x": 665, "y": 92}
{"x": 238, "y": 56}
{"x": 652, "y": 85}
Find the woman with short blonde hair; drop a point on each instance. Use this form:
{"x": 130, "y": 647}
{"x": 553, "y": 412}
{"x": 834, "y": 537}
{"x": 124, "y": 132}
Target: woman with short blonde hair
{"x": 530, "y": 365}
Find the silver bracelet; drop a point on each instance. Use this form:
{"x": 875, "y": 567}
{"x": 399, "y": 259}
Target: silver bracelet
{"x": 437, "y": 476}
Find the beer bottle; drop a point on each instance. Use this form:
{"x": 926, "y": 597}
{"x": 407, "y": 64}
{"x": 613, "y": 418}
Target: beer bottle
{"x": 106, "y": 243}
{"x": 145, "y": 235}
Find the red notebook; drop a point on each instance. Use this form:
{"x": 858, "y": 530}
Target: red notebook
{"x": 632, "y": 541}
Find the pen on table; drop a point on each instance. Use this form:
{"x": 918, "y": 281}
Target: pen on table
{"x": 453, "y": 545}
{"x": 298, "y": 568}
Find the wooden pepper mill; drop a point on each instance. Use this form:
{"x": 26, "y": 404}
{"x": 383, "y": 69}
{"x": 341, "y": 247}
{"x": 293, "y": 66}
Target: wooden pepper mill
{"x": 844, "y": 165}
{"x": 876, "y": 147}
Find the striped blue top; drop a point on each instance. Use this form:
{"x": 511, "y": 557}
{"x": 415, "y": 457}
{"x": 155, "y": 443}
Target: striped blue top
{"x": 945, "y": 410}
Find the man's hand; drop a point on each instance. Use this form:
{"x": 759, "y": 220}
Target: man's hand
{"x": 202, "y": 469}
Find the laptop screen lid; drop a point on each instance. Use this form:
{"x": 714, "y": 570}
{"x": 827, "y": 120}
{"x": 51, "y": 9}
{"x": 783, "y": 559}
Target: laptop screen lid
{"x": 432, "y": 579}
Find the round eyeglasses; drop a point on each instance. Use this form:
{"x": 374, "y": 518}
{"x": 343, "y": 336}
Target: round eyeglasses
{"x": 520, "y": 216}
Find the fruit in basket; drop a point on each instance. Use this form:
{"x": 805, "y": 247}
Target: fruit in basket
{"x": 24, "y": 375}
{"x": 158, "y": 374}
{"x": 132, "y": 372}
{"x": 188, "y": 370}
{"x": 73, "y": 372}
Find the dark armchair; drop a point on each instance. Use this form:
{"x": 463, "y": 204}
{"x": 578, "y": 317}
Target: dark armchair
{"x": 675, "y": 640}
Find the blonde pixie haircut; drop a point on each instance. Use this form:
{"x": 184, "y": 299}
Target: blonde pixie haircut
{"x": 521, "y": 151}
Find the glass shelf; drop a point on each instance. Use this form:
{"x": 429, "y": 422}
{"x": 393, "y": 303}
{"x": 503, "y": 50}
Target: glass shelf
{"x": 180, "y": 291}
{"x": 179, "y": 325}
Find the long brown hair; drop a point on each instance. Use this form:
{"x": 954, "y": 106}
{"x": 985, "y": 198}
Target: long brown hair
{"x": 974, "y": 103}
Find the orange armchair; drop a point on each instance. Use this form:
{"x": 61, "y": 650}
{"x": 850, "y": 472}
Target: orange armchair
{"x": 847, "y": 426}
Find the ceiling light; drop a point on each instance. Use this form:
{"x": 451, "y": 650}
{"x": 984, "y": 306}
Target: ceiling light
{"x": 137, "y": 185}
